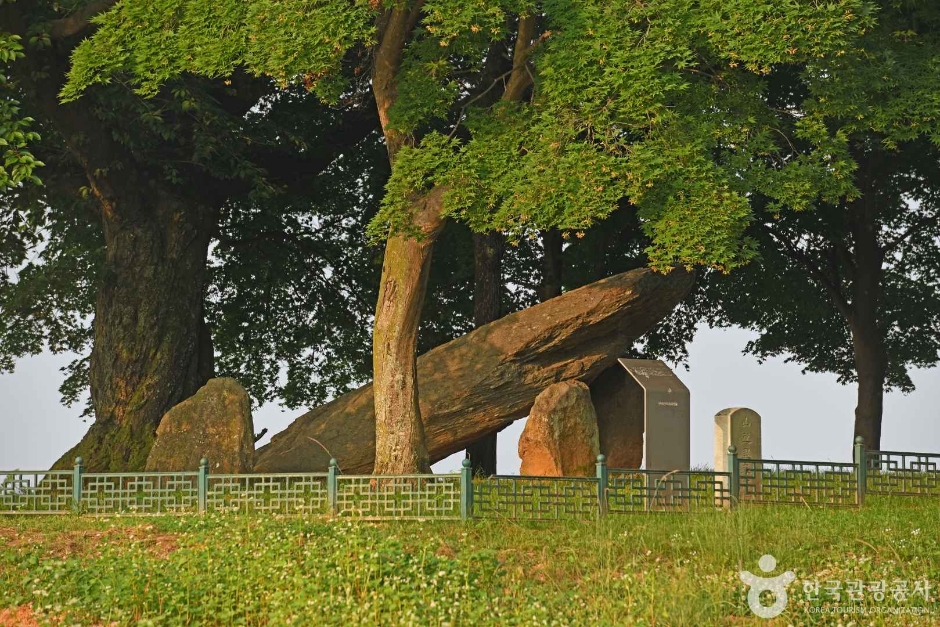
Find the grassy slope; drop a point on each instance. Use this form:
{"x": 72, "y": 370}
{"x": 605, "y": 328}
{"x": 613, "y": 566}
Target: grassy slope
{"x": 637, "y": 569}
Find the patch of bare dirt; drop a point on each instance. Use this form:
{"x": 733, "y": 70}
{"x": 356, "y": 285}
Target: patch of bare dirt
{"x": 63, "y": 544}
{"x": 21, "y": 616}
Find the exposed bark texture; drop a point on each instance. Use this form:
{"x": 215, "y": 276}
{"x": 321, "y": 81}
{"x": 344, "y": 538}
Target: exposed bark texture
{"x": 484, "y": 380}
{"x": 404, "y": 280}
{"x": 487, "y": 307}
{"x": 151, "y": 347}
{"x": 399, "y": 431}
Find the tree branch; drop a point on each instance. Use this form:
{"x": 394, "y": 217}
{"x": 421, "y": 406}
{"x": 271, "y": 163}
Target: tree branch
{"x": 918, "y": 226}
{"x": 394, "y": 28}
{"x": 799, "y": 256}
{"x": 520, "y": 78}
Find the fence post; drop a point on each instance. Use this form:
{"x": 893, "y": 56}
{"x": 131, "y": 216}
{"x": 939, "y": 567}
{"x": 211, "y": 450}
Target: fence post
{"x": 861, "y": 469}
{"x": 466, "y": 489}
{"x": 202, "y": 484}
{"x": 735, "y": 469}
{"x": 332, "y": 483}
{"x": 602, "y": 485}
{"x": 77, "y": 483}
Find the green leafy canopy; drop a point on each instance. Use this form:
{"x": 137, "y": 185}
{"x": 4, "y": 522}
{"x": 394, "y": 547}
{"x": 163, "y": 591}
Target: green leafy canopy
{"x": 660, "y": 103}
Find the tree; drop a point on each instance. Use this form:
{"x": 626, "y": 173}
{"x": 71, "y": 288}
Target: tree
{"x": 599, "y": 101}
{"x": 851, "y": 286}
{"x": 134, "y": 193}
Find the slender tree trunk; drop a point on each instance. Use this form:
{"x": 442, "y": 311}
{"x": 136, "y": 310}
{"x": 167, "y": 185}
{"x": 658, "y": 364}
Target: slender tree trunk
{"x": 871, "y": 368}
{"x": 399, "y": 431}
{"x": 551, "y": 265}
{"x": 151, "y": 347}
{"x": 871, "y": 361}
{"x": 487, "y": 307}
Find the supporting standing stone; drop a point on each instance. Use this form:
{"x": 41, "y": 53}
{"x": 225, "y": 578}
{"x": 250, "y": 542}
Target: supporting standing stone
{"x": 215, "y": 421}
{"x": 738, "y": 426}
{"x": 618, "y": 402}
{"x": 560, "y": 438}
{"x": 666, "y": 421}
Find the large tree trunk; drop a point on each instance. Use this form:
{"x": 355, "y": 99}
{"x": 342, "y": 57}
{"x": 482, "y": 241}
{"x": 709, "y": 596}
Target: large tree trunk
{"x": 487, "y": 307}
{"x": 400, "y": 445}
{"x": 151, "y": 347}
{"x": 484, "y": 380}
{"x": 399, "y": 433}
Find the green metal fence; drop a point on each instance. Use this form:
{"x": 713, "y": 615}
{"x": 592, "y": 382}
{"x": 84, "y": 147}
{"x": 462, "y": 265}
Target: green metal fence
{"x": 36, "y": 491}
{"x": 379, "y": 497}
{"x": 287, "y": 493}
{"x": 667, "y": 491}
{"x": 898, "y": 472}
{"x": 140, "y": 493}
{"x": 535, "y": 498}
{"x": 454, "y": 496}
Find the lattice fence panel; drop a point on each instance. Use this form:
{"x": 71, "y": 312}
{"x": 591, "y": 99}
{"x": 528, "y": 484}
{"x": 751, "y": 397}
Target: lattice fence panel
{"x": 535, "y": 498}
{"x": 645, "y": 490}
{"x": 281, "y": 493}
{"x": 144, "y": 493}
{"x": 405, "y": 496}
{"x": 26, "y": 492}
{"x": 901, "y": 473}
{"x": 797, "y": 482}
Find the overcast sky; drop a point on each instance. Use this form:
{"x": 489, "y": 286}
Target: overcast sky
{"x": 805, "y": 417}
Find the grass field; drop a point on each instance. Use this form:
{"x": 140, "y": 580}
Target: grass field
{"x": 641, "y": 569}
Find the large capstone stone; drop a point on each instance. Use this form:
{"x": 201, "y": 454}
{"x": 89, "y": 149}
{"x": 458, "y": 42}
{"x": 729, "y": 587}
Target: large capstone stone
{"x": 481, "y": 382}
{"x": 214, "y": 423}
{"x": 560, "y": 438}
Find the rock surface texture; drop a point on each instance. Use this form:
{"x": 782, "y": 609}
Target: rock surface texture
{"x": 490, "y": 377}
{"x": 560, "y": 438}
{"x": 618, "y": 402}
{"x": 215, "y": 423}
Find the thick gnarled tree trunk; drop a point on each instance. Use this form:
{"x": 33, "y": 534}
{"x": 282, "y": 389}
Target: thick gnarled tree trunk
{"x": 151, "y": 346}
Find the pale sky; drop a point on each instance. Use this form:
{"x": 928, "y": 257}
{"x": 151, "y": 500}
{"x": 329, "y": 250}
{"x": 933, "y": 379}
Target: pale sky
{"x": 804, "y": 417}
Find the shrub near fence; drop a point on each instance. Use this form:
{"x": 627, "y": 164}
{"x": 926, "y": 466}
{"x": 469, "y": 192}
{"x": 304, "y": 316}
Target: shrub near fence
{"x": 612, "y": 491}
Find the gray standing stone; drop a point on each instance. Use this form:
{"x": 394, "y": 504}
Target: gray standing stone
{"x": 216, "y": 423}
{"x": 618, "y": 402}
{"x": 560, "y": 438}
{"x": 666, "y": 404}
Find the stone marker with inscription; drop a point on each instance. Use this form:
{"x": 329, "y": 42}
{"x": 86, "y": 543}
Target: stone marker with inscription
{"x": 665, "y": 414}
{"x": 739, "y": 426}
